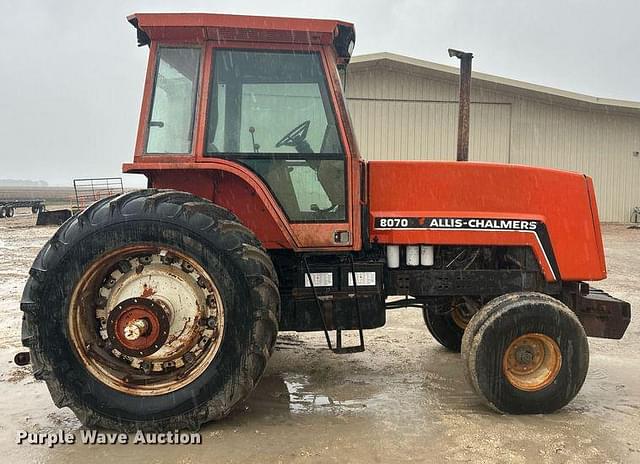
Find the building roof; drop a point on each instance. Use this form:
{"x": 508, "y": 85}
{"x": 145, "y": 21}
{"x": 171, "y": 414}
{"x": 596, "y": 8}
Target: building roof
{"x": 395, "y": 60}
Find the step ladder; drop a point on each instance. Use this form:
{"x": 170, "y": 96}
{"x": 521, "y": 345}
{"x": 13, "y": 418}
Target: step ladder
{"x": 338, "y": 348}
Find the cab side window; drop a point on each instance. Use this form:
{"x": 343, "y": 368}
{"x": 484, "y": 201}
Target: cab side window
{"x": 170, "y": 125}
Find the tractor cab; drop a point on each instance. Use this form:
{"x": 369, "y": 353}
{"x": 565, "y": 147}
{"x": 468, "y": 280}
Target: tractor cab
{"x": 261, "y": 97}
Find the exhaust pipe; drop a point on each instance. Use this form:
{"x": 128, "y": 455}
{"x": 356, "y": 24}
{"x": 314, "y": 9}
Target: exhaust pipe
{"x": 465, "y": 102}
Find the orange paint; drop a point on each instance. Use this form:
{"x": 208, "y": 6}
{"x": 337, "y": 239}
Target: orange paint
{"x": 561, "y": 200}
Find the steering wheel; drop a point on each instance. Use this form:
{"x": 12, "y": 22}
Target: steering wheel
{"x": 295, "y": 136}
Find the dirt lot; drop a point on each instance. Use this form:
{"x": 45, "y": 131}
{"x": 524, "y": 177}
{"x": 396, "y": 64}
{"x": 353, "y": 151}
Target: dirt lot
{"x": 404, "y": 399}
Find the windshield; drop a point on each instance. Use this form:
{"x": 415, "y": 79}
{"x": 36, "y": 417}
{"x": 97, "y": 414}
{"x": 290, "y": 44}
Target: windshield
{"x": 272, "y": 112}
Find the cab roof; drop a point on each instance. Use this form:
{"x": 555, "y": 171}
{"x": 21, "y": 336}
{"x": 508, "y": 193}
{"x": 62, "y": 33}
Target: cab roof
{"x": 200, "y": 27}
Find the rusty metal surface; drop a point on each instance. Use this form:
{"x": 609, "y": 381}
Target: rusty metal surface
{"x": 170, "y": 292}
{"x": 465, "y": 102}
{"x": 138, "y": 327}
{"x": 90, "y": 190}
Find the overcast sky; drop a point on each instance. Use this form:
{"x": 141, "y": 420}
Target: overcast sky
{"x": 71, "y": 75}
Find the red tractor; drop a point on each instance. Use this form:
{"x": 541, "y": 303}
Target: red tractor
{"x": 159, "y": 308}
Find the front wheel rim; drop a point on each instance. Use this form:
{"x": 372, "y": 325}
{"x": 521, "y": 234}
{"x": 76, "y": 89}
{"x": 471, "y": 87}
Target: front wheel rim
{"x": 532, "y": 361}
{"x": 146, "y": 320}
{"x": 459, "y": 319}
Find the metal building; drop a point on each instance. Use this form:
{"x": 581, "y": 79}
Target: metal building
{"x": 405, "y": 108}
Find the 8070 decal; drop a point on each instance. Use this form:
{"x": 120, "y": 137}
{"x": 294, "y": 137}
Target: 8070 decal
{"x": 392, "y": 222}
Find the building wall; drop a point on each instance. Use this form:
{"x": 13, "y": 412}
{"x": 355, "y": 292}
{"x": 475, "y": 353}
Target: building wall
{"x": 400, "y": 114}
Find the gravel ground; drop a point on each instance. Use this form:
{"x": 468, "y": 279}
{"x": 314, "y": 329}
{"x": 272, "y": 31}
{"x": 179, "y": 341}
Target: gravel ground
{"x": 404, "y": 399}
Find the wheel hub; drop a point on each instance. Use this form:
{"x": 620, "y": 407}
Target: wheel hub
{"x": 532, "y": 361}
{"x": 138, "y": 327}
{"x": 524, "y": 356}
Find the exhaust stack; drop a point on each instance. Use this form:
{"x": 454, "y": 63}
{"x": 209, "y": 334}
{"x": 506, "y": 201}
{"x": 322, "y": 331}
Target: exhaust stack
{"x": 465, "y": 101}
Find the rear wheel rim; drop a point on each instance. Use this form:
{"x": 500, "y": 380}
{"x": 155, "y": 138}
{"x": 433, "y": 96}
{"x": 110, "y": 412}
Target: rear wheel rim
{"x": 532, "y": 361}
{"x": 146, "y": 320}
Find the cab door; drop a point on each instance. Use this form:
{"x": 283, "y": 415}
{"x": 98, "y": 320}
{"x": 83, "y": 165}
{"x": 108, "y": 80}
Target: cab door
{"x": 274, "y": 112}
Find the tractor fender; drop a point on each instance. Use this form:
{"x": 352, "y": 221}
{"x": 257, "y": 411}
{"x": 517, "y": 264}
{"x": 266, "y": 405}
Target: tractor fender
{"x": 229, "y": 185}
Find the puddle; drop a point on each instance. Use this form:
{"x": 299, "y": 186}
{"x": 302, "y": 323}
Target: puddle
{"x": 303, "y": 400}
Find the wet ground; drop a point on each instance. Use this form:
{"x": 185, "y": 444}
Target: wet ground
{"x": 404, "y": 399}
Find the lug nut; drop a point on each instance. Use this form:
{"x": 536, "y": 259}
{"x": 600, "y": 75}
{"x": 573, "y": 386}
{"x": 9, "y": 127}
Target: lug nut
{"x": 212, "y": 323}
{"x": 146, "y": 367}
{"x": 124, "y": 266}
{"x": 166, "y": 259}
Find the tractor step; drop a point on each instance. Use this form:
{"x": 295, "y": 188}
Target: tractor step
{"x": 338, "y": 348}
{"x": 349, "y": 349}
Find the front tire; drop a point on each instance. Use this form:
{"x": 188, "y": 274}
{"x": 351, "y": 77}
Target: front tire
{"x": 525, "y": 353}
{"x": 68, "y": 308}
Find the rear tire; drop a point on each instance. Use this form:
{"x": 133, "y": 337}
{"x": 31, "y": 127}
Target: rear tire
{"x": 11, "y": 212}
{"x": 213, "y": 239}
{"x": 3, "y": 212}
{"x": 526, "y": 353}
